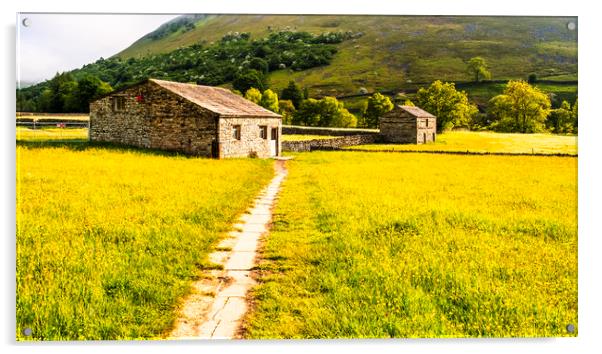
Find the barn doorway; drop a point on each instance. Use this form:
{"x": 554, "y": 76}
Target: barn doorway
{"x": 424, "y": 138}
{"x": 274, "y": 142}
{"x": 214, "y": 149}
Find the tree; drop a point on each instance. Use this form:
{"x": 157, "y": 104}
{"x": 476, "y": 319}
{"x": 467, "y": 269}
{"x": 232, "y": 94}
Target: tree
{"x": 376, "y": 107}
{"x": 45, "y": 102}
{"x": 521, "y": 108}
{"x": 305, "y": 93}
{"x": 334, "y": 114}
{"x": 287, "y": 109}
{"x": 326, "y": 112}
{"x": 59, "y": 88}
{"x": 253, "y": 95}
{"x": 248, "y": 79}
{"x": 477, "y": 67}
{"x": 58, "y": 94}
{"x": 259, "y": 65}
{"x": 575, "y": 115}
{"x": 451, "y": 107}
{"x": 561, "y": 120}
{"x": 308, "y": 113}
{"x": 88, "y": 88}
{"x": 532, "y": 78}
{"x": 408, "y": 102}
{"x": 293, "y": 93}
{"x": 269, "y": 100}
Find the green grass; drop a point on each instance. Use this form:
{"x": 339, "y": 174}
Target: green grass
{"x": 489, "y": 142}
{"x": 54, "y": 134}
{"x": 482, "y": 93}
{"x": 55, "y": 116}
{"x": 109, "y": 239}
{"x": 562, "y": 77}
{"x": 299, "y": 137}
{"x": 420, "y": 245}
{"x": 560, "y": 92}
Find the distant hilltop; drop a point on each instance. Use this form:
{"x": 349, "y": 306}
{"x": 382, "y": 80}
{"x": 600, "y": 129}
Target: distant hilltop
{"x": 394, "y": 50}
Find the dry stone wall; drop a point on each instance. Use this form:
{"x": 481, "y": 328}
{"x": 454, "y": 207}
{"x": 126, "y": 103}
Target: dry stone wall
{"x": 330, "y": 144}
{"x": 301, "y": 130}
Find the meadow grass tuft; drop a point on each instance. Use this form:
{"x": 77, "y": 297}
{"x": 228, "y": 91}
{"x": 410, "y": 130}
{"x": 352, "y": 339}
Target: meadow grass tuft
{"x": 109, "y": 239}
{"x": 420, "y": 245}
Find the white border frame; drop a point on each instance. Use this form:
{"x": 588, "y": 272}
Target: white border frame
{"x": 589, "y": 170}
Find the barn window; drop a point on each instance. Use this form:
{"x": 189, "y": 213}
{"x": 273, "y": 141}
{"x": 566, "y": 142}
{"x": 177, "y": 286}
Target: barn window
{"x": 427, "y": 123}
{"x": 263, "y": 131}
{"x": 236, "y": 132}
{"x": 118, "y": 103}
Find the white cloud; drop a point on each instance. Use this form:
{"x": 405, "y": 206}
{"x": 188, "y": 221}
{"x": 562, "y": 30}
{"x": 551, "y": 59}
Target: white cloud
{"x": 60, "y": 42}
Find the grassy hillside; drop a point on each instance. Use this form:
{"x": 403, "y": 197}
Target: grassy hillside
{"x": 396, "y": 51}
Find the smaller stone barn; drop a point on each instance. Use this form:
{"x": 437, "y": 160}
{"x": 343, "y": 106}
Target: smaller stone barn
{"x": 192, "y": 119}
{"x": 408, "y": 125}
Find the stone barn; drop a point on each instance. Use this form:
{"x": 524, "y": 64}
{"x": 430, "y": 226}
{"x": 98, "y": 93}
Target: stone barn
{"x": 192, "y": 119}
{"x": 408, "y": 125}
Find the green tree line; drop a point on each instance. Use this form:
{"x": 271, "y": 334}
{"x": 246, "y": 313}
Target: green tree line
{"x": 521, "y": 108}
{"x": 63, "y": 93}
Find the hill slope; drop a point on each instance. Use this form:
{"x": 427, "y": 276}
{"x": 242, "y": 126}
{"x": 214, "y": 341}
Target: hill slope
{"x": 395, "y": 51}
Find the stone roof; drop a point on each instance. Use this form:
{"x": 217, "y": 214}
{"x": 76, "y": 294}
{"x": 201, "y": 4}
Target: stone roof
{"x": 216, "y": 99}
{"x": 416, "y": 112}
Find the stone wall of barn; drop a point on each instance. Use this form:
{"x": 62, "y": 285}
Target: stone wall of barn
{"x": 398, "y": 126}
{"x": 128, "y": 126}
{"x": 154, "y": 118}
{"x": 250, "y": 143}
{"x": 179, "y": 125}
{"x": 426, "y": 130}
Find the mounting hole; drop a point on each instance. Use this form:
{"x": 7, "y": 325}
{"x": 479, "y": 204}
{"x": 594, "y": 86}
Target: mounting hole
{"x": 571, "y": 26}
{"x": 26, "y": 22}
{"x": 570, "y": 328}
{"x": 27, "y": 331}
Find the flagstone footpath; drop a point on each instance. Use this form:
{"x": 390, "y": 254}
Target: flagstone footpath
{"x": 218, "y": 301}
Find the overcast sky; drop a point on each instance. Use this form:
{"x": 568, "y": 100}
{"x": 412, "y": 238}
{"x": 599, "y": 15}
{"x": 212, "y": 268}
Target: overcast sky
{"x": 61, "y": 42}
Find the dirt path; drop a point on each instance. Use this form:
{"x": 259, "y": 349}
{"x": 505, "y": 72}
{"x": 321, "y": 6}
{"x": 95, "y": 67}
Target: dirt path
{"x": 218, "y": 300}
